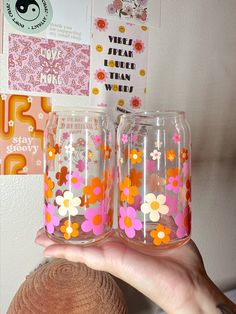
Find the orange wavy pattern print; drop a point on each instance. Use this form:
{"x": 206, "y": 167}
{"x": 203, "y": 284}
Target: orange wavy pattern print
{"x": 22, "y": 123}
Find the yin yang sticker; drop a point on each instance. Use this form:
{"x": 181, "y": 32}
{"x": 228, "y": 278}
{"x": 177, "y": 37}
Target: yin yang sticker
{"x": 28, "y": 16}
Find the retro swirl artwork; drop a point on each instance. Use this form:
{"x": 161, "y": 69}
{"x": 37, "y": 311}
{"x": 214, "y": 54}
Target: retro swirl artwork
{"x": 22, "y": 123}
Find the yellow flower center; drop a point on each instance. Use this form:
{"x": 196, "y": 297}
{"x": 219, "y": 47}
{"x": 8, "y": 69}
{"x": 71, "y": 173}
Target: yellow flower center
{"x": 127, "y": 222}
{"x": 97, "y": 220}
{"x": 155, "y": 205}
{"x": 74, "y": 180}
{"x": 48, "y": 217}
{"x": 161, "y": 235}
{"x": 66, "y": 203}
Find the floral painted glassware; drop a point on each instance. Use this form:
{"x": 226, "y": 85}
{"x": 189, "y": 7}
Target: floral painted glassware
{"x": 154, "y": 174}
{"x": 79, "y": 176}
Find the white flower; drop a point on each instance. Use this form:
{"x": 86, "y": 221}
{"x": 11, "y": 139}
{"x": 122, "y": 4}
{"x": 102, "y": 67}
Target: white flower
{"x": 40, "y": 115}
{"x": 155, "y": 155}
{"x": 30, "y": 128}
{"x": 4, "y": 97}
{"x": 11, "y": 123}
{"x": 25, "y": 169}
{"x": 154, "y": 206}
{"x": 68, "y": 204}
{"x": 158, "y": 144}
{"x": 29, "y": 99}
{"x": 69, "y": 149}
{"x": 38, "y": 162}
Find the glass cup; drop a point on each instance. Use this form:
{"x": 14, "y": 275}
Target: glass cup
{"x": 79, "y": 176}
{"x": 154, "y": 174}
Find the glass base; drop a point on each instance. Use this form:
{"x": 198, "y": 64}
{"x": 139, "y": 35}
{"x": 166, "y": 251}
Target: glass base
{"x": 149, "y": 248}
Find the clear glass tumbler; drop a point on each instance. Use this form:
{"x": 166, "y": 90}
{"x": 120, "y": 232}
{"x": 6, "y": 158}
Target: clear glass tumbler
{"x": 79, "y": 176}
{"x": 154, "y": 174}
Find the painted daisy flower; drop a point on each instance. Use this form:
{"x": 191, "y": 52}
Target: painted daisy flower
{"x": 69, "y": 149}
{"x": 154, "y": 206}
{"x": 125, "y": 138}
{"x": 128, "y": 221}
{"x": 96, "y": 220}
{"x": 68, "y": 204}
{"x": 160, "y": 235}
{"x": 50, "y": 220}
{"x": 75, "y": 180}
{"x": 155, "y": 155}
{"x": 175, "y": 184}
{"x": 135, "y": 156}
{"x": 183, "y": 221}
{"x": 176, "y": 138}
{"x": 70, "y": 230}
{"x": 11, "y": 123}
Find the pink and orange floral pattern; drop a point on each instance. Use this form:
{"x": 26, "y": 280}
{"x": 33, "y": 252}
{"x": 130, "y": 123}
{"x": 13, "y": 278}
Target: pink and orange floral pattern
{"x": 128, "y": 221}
{"x": 96, "y": 220}
{"x": 95, "y": 191}
{"x": 160, "y": 235}
{"x": 70, "y": 230}
{"x": 128, "y": 191}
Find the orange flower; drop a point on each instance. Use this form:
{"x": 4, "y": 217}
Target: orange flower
{"x": 135, "y": 177}
{"x": 48, "y": 187}
{"x": 70, "y": 230}
{"x": 184, "y": 155}
{"x": 51, "y": 153}
{"x": 172, "y": 172}
{"x": 160, "y": 235}
{"x": 95, "y": 191}
{"x": 135, "y": 156}
{"x": 170, "y": 155}
{"x": 106, "y": 150}
{"x": 110, "y": 218}
{"x": 128, "y": 192}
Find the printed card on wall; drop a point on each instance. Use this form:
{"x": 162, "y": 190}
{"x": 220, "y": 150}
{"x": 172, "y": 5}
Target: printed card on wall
{"x": 135, "y": 11}
{"x": 22, "y": 123}
{"x": 119, "y": 65}
{"x": 48, "y": 66}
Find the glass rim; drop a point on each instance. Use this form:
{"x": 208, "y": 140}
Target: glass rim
{"x": 165, "y": 114}
{"x": 75, "y": 112}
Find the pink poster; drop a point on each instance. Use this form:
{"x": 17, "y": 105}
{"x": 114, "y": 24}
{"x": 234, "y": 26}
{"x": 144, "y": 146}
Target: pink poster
{"x": 48, "y": 66}
{"x": 119, "y": 65}
{"x": 22, "y": 124}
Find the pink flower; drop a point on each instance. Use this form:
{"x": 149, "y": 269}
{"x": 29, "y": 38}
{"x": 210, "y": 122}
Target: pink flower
{"x": 75, "y": 180}
{"x": 65, "y": 135}
{"x": 134, "y": 138}
{"x": 142, "y": 2}
{"x": 138, "y": 46}
{"x": 97, "y": 140}
{"x": 80, "y": 165}
{"x": 96, "y": 220}
{"x": 151, "y": 166}
{"x": 128, "y": 221}
{"x": 50, "y": 220}
{"x": 125, "y": 138}
{"x": 143, "y": 16}
{"x": 111, "y": 9}
{"x": 175, "y": 183}
{"x": 185, "y": 169}
{"x": 183, "y": 221}
{"x": 172, "y": 203}
{"x": 176, "y": 138}
{"x": 137, "y": 202}
{"x": 117, "y": 4}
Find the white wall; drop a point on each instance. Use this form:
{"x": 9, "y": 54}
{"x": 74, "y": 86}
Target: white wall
{"x": 192, "y": 67}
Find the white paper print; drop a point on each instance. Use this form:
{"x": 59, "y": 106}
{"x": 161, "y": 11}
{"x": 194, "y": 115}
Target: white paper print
{"x": 119, "y": 64}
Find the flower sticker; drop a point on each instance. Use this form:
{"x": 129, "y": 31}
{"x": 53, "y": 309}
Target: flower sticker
{"x": 170, "y": 155}
{"x": 135, "y": 157}
{"x": 128, "y": 192}
{"x": 96, "y": 220}
{"x": 128, "y": 221}
{"x": 50, "y": 220}
{"x": 48, "y": 187}
{"x": 106, "y": 150}
{"x": 75, "y": 180}
{"x": 100, "y": 76}
{"x": 69, "y": 149}
{"x": 175, "y": 184}
{"x": 176, "y": 138}
{"x": 136, "y": 177}
{"x": 135, "y": 102}
{"x": 111, "y": 9}
{"x": 134, "y": 138}
{"x": 97, "y": 140}
{"x": 125, "y": 138}
{"x": 138, "y": 46}
{"x": 80, "y": 165}
{"x": 51, "y": 152}
{"x": 101, "y": 24}
{"x": 70, "y": 230}
{"x": 184, "y": 155}
{"x": 160, "y": 235}
{"x": 156, "y": 155}
{"x": 95, "y": 191}
{"x": 68, "y": 204}
{"x": 158, "y": 144}
{"x": 154, "y": 206}
{"x": 183, "y": 221}
{"x": 61, "y": 176}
